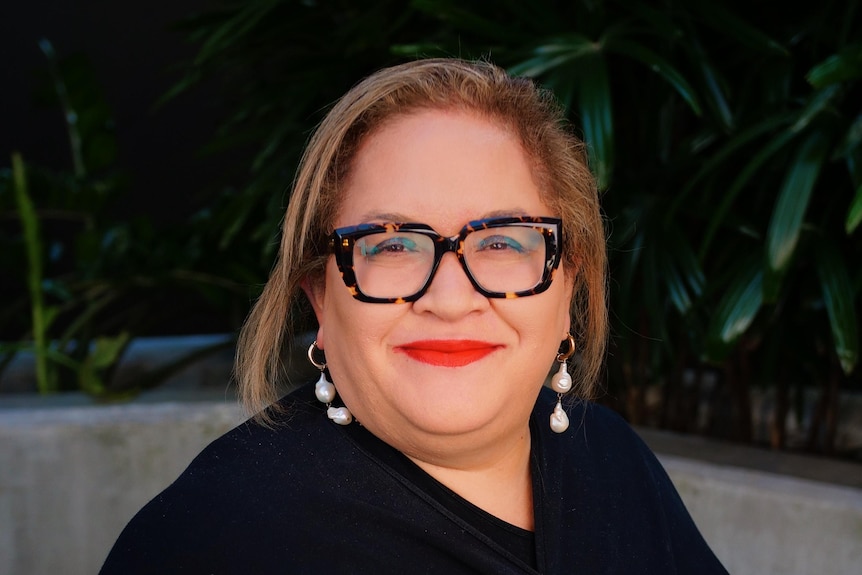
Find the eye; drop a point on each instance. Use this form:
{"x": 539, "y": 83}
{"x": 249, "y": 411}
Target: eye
{"x": 500, "y": 243}
{"x": 378, "y": 246}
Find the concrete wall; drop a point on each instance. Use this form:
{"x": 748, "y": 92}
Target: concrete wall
{"x": 766, "y": 524}
{"x": 71, "y": 477}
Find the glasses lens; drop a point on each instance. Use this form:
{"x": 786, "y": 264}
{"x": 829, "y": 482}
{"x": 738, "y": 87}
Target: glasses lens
{"x": 392, "y": 264}
{"x": 506, "y": 258}
{"x": 501, "y": 260}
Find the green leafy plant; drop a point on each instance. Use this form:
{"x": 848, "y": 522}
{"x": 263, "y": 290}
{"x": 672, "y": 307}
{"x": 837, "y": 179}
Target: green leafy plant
{"x": 92, "y": 282}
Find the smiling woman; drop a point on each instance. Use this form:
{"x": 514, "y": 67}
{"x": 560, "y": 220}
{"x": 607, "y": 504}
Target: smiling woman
{"x": 445, "y": 230}
{"x": 447, "y": 168}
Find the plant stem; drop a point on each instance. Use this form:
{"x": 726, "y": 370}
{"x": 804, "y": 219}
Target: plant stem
{"x": 32, "y": 240}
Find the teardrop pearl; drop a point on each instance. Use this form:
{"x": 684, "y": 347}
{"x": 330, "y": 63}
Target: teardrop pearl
{"x": 559, "y": 419}
{"x": 340, "y": 415}
{"x": 324, "y": 389}
{"x": 562, "y": 381}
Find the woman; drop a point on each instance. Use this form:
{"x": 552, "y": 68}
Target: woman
{"x": 429, "y": 443}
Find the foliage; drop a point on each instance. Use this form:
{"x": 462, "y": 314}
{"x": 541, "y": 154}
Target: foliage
{"x": 92, "y": 282}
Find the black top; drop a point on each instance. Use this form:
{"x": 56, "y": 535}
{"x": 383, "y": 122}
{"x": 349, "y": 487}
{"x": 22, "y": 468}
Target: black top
{"x": 311, "y": 496}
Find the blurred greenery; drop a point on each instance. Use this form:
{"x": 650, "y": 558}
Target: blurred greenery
{"x": 92, "y": 282}
{"x": 727, "y": 144}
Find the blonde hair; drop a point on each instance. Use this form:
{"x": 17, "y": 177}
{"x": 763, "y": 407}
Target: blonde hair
{"x": 560, "y": 167}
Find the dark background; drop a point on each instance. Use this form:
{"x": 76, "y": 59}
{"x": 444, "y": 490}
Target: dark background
{"x": 135, "y": 53}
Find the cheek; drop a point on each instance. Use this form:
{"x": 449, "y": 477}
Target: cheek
{"x": 335, "y": 324}
{"x": 331, "y": 313}
{"x": 541, "y": 324}
{"x": 351, "y": 330}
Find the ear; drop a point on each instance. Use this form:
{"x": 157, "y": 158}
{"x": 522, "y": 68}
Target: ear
{"x": 315, "y": 290}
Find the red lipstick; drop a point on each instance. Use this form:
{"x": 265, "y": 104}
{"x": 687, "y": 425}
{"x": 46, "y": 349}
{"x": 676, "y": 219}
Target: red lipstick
{"x": 448, "y": 352}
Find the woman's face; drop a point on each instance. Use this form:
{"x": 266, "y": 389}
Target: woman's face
{"x": 444, "y": 169}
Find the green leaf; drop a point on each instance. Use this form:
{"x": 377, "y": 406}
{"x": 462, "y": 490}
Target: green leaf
{"x": 553, "y": 54}
{"x": 841, "y": 67}
{"x": 730, "y": 26}
{"x": 837, "y": 292}
{"x": 96, "y": 300}
{"x": 465, "y": 19}
{"x": 738, "y": 185}
{"x": 50, "y": 314}
{"x": 676, "y": 288}
{"x": 717, "y": 160}
{"x": 562, "y": 82}
{"x": 854, "y": 167}
{"x": 229, "y": 33}
{"x": 658, "y": 21}
{"x": 854, "y": 214}
{"x": 104, "y": 353}
{"x": 107, "y": 350}
{"x": 789, "y": 213}
{"x": 61, "y": 358}
{"x": 652, "y": 301}
{"x": 627, "y": 246}
{"x": 716, "y": 96}
{"x": 736, "y": 310}
{"x": 183, "y": 85}
{"x": 584, "y": 78}
{"x": 852, "y": 140}
{"x": 415, "y": 50}
{"x": 594, "y": 97}
{"x": 821, "y": 100}
{"x": 681, "y": 271}
{"x": 637, "y": 51}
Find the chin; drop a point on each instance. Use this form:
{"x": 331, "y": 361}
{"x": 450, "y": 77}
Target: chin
{"x": 453, "y": 415}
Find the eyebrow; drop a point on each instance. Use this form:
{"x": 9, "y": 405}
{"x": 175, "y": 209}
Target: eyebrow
{"x": 394, "y": 217}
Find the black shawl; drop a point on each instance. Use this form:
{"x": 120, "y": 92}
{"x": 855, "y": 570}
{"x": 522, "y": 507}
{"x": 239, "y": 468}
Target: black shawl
{"x": 313, "y": 497}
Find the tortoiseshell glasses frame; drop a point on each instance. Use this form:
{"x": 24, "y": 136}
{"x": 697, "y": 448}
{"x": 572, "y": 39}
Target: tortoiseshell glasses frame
{"x": 342, "y": 243}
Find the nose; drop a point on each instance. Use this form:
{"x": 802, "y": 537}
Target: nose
{"x": 451, "y": 295}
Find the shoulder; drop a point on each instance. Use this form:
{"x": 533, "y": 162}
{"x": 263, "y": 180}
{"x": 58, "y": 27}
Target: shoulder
{"x": 229, "y": 492}
{"x": 593, "y": 428}
{"x": 615, "y": 494}
{"x": 258, "y": 453}
{"x": 253, "y": 450}
{"x": 599, "y": 448}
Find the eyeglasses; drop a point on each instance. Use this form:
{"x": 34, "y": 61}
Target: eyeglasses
{"x": 395, "y": 263}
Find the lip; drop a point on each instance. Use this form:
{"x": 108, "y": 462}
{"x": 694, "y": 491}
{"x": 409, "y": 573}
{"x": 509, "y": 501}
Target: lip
{"x": 448, "y": 352}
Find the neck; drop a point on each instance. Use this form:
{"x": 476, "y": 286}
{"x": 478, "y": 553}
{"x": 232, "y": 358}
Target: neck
{"x": 498, "y": 481}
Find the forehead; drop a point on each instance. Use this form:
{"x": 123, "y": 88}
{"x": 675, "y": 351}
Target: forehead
{"x": 440, "y": 167}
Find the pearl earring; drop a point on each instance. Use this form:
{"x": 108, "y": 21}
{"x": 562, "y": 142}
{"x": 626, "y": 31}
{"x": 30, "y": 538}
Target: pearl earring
{"x": 324, "y": 390}
{"x": 562, "y": 383}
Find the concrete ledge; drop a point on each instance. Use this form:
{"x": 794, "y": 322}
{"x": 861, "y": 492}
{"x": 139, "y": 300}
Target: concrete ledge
{"x": 767, "y": 524}
{"x": 766, "y": 512}
{"x": 71, "y": 477}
